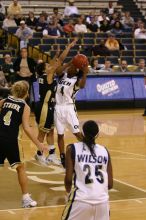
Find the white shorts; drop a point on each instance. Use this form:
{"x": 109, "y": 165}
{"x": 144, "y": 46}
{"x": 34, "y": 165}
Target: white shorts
{"x": 85, "y": 211}
{"x": 66, "y": 116}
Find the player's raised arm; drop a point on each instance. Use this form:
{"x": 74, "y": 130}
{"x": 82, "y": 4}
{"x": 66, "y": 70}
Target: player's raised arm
{"x": 66, "y": 51}
{"x": 53, "y": 60}
{"x": 56, "y": 63}
{"x": 62, "y": 57}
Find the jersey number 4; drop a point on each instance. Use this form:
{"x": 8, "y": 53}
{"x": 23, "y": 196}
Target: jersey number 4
{"x": 62, "y": 90}
{"x": 98, "y": 174}
{"x": 7, "y": 118}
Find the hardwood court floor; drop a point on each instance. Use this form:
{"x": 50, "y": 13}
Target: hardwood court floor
{"x": 123, "y": 132}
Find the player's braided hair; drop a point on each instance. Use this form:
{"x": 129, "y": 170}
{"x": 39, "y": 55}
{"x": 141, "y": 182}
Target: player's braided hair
{"x": 90, "y": 130}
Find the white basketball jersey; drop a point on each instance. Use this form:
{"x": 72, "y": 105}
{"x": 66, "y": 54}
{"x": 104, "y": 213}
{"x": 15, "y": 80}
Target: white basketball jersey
{"x": 66, "y": 90}
{"x": 91, "y": 178}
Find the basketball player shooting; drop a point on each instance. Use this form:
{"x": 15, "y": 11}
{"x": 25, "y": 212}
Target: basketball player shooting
{"x": 71, "y": 79}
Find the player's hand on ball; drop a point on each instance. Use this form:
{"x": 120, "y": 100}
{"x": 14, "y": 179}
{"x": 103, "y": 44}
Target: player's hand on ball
{"x": 85, "y": 69}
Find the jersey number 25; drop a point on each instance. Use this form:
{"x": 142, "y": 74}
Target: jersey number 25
{"x": 98, "y": 174}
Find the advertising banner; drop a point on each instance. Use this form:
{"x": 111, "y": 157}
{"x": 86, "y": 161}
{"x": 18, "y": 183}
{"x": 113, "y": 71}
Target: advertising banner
{"x": 107, "y": 88}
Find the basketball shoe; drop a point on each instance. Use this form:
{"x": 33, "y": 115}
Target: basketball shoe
{"x": 28, "y": 202}
{"x": 52, "y": 158}
{"x": 41, "y": 159}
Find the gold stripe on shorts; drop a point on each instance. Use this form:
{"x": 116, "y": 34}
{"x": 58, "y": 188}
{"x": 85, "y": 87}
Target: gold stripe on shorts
{"x": 44, "y": 111}
{"x": 68, "y": 206}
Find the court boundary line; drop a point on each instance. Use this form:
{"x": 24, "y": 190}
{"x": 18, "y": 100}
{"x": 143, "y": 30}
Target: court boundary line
{"x": 128, "y": 158}
{"x": 130, "y": 185}
{"x": 56, "y": 206}
{"x": 125, "y": 152}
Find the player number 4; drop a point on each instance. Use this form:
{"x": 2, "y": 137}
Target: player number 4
{"x": 62, "y": 90}
{"x": 7, "y": 118}
{"x": 98, "y": 174}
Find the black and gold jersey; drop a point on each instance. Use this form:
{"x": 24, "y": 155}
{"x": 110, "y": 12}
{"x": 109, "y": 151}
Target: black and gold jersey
{"x": 47, "y": 91}
{"x": 11, "y": 117}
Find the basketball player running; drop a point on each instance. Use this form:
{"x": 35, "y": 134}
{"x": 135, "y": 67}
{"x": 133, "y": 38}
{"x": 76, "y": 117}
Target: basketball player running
{"x": 15, "y": 111}
{"x": 45, "y": 112}
{"x": 90, "y": 165}
{"x": 70, "y": 81}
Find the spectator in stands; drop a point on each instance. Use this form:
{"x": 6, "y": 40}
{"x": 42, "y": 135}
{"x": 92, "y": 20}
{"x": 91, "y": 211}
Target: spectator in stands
{"x": 24, "y": 33}
{"x": 2, "y": 11}
{"x": 96, "y": 21}
{"x": 25, "y": 67}
{"x": 18, "y": 18}
{"x": 9, "y": 22}
{"x": 56, "y": 15}
{"x": 110, "y": 10}
{"x": 71, "y": 10}
{"x": 8, "y": 69}
{"x": 15, "y": 8}
{"x": 80, "y": 27}
{"x": 141, "y": 66}
{"x": 91, "y": 15}
{"x": 45, "y": 15}
{"x": 127, "y": 21}
{"x": 137, "y": 23}
{"x": 4, "y": 88}
{"x": 41, "y": 24}
{"x": 69, "y": 27}
{"x": 31, "y": 21}
{"x": 107, "y": 67}
{"x": 102, "y": 16}
{"x": 95, "y": 66}
{"x": 52, "y": 30}
{"x": 105, "y": 26}
{"x": 140, "y": 33}
{"x": 101, "y": 49}
{"x": 114, "y": 18}
{"x": 117, "y": 28}
{"x": 93, "y": 27}
{"x": 111, "y": 43}
{"x": 123, "y": 67}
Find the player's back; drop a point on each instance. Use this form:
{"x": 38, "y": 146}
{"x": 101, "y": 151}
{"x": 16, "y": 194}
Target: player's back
{"x": 91, "y": 179}
{"x": 11, "y": 117}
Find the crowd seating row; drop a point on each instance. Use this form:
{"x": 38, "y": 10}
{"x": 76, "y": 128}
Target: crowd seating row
{"x": 83, "y": 5}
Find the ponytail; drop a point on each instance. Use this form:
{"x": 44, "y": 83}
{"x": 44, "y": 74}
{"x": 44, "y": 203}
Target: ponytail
{"x": 90, "y": 142}
{"x": 90, "y": 131}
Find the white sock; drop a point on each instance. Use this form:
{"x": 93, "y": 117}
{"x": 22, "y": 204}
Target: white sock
{"x": 51, "y": 147}
{"x": 25, "y": 196}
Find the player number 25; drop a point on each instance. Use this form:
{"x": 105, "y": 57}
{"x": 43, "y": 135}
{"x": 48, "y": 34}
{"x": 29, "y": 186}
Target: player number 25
{"x": 98, "y": 174}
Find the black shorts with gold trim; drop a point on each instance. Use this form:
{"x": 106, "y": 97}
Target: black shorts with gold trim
{"x": 9, "y": 150}
{"x": 45, "y": 116}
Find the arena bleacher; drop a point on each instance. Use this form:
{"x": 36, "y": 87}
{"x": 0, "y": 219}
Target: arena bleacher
{"x": 43, "y": 48}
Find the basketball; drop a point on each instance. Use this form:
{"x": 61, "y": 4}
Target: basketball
{"x": 79, "y": 61}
